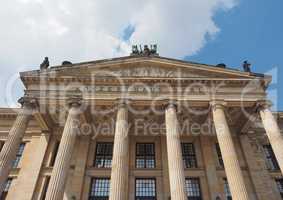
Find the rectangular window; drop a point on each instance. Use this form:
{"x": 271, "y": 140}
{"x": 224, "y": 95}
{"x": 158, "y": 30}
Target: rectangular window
{"x": 189, "y": 155}
{"x": 279, "y": 183}
{"x": 99, "y": 189}
{"x": 227, "y": 190}
{"x": 19, "y": 155}
{"x": 193, "y": 188}
{"x": 103, "y": 155}
{"x": 271, "y": 161}
{"x": 54, "y": 153}
{"x": 45, "y": 187}
{"x": 145, "y": 155}
{"x": 220, "y": 160}
{"x": 145, "y": 189}
{"x": 6, "y": 189}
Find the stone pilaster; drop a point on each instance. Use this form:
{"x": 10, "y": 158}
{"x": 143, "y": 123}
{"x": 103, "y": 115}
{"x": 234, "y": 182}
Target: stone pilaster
{"x": 15, "y": 136}
{"x": 175, "y": 161}
{"x": 232, "y": 167}
{"x": 207, "y": 145}
{"x": 262, "y": 181}
{"x": 273, "y": 133}
{"x": 30, "y": 170}
{"x": 63, "y": 159}
{"x": 120, "y": 161}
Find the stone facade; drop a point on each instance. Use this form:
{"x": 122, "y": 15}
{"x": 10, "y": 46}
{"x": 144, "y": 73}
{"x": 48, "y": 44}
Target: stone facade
{"x": 206, "y": 128}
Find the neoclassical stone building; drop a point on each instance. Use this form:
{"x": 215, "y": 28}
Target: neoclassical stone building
{"x": 141, "y": 127}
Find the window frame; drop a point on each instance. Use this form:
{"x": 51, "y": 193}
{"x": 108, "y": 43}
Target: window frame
{"x": 227, "y": 191}
{"x": 103, "y": 155}
{"x": 92, "y": 189}
{"x": 6, "y": 189}
{"x": 19, "y": 155}
{"x": 145, "y": 156}
{"x": 219, "y": 155}
{"x": 146, "y": 197}
{"x": 1, "y": 144}
{"x": 279, "y": 187}
{"x": 45, "y": 187}
{"x": 54, "y": 153}
{"x": 197, "y": 179}
{"x": 271, "y": 161}
{"x": 189, "y": 157}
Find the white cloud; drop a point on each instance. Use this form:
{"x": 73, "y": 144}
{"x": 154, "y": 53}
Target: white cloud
{"x": 92, "y": 29}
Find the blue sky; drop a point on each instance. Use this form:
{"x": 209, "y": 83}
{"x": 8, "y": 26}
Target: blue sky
{"x": 205, "y": 31}
{"x": 253, "y": 30}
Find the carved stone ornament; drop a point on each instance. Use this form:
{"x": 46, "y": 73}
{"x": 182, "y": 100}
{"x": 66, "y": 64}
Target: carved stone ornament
{"x": 74, "y": 102}
{"x": 152, "y": 71}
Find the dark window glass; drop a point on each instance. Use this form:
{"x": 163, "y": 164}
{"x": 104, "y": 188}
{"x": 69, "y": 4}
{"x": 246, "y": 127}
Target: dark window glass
{"x": 45, "y": 187}
{"x": 145, "y": 155}
{"x": 227, "y": 190}
{"x": 272, "y": 163}
{"x": 6, "y": 189}
{"x": 220, "y": 160}
{"x": 19, "y": 155}
{"x": 279, "y": 183}
{"x": 145, "y": 189}
{"x": 99, "y": 189}
{"x": 54, "y": 153}
{"x": 103, "y": 155}
{"x": 193, "y": 189}
{"x": 189, "y": 155}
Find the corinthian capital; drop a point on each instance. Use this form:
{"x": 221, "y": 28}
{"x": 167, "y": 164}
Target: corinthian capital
{"x": 172, "y": 104}
{"x": 122, "y": 103}
{"x": 263, "y": 104}
{"x": 74, "y": 102}
{"x": 218, "y": 104}
{"x": 28, "y": 102}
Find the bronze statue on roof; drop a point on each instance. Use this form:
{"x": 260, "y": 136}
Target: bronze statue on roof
{"x": 45, "y": 64}
{"x": 246, "y": 66}
{"x": 145, "y": 51}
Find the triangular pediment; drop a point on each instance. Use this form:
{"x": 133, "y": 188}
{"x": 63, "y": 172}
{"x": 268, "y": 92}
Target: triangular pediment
{"x": 143, "y": 67}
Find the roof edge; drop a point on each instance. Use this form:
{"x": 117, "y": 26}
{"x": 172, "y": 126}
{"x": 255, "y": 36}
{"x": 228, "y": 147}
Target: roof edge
{"x": 151, "y": 57}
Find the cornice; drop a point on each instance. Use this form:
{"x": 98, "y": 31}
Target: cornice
{"x": 8, "y": 113}
{"x": 102, "y": 80}
{"x": 134, "y": 59}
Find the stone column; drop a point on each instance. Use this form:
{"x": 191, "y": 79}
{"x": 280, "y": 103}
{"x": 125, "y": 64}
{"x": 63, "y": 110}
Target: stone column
{"x": 273, "y": 133}
{"x": 62, "y": 164}
{"x": 120, "y": 160}
{"x": 175, "y": 161}
{"x": 232, "y": 167}
{"x": 74, "y": 186}
{"x": 16, "y": 134}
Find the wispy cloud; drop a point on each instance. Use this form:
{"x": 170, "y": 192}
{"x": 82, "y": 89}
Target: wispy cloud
{"x": 91, "y": 29}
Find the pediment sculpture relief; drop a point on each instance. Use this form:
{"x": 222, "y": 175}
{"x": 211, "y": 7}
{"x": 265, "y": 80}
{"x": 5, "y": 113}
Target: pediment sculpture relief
{"x": 150, "y": 72}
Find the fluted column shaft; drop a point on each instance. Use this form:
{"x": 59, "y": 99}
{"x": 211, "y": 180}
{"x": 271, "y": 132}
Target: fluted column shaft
{"x": 120, "y": 161}
{"x": 175, "y": 161}
{"x": 273, "y": 133}
{"x": 229, "y": 155}
{"x": 10, "y": 148}
{"x": 63, "y": 159}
